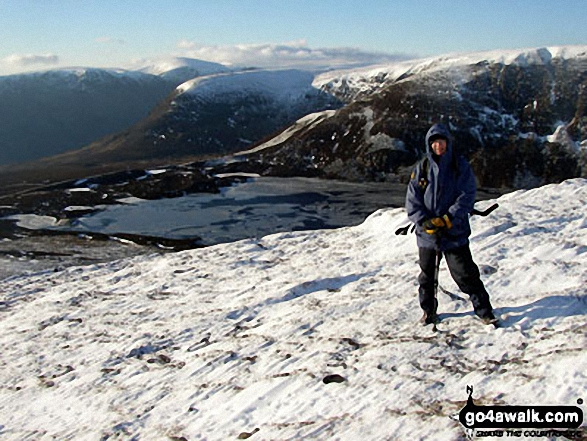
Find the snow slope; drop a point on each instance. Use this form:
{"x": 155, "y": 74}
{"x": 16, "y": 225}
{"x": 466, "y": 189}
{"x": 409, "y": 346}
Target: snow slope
{"x": 236, "y": 339}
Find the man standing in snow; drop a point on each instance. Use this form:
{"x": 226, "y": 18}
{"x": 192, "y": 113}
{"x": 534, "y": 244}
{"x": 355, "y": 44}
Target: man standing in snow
{"x": 440, "y": 196}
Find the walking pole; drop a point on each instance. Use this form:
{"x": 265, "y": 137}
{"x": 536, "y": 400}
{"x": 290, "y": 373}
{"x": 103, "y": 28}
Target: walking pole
{"x": 436, "y": 272}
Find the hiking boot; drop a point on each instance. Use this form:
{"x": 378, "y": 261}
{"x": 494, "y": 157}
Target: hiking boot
{"x": 429, "y": 319}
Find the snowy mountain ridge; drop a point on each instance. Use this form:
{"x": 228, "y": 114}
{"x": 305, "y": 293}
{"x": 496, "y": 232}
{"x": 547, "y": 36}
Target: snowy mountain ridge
{"x": 73, "y": 77}
{"x": 518, "y": 116}
{"x": 162, "y": 67}
{"x": 181, "y": 69}
{"x": 226, "y": 112}
{"x": 78, "y": 71}
{"x": 357, "y": 82}
{"x": 305, "y": 335}
{"x": 287, "y": 84}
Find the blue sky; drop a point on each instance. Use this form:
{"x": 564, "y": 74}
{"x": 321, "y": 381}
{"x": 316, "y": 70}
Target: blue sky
{"x": 42, "y": 34}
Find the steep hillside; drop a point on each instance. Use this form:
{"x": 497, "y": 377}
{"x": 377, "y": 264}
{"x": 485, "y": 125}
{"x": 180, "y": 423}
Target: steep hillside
{"x": 51, "y": 112}
{"x": 214, "y": 115}
{"x": 47, "y": 113}
{"x": 519, "y": 116}
{"x": 205, "y": 117}
{"x": 225, "y": 113}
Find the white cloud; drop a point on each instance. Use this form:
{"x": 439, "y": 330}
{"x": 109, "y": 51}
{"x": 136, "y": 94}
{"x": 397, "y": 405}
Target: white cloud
{"x": 291, "y": 54}
{"x": 25, "y": 60}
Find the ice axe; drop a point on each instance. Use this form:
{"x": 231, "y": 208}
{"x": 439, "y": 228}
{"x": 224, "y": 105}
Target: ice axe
{"x": 402, "y": 231}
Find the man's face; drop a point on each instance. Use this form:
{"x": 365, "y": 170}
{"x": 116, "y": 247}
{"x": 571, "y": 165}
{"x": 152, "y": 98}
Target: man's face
{"x": 438, "y": 146}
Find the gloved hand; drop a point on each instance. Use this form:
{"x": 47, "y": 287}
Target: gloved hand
{"x": 434, "y": 225}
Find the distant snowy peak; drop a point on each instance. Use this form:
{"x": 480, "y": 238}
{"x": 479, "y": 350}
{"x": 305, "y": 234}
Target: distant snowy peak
{"x": 165, "y": 65}
{"x": 279, "y": 84}
{"x": 75, "y": 76}
{"x": 175, "y": 69}
{"x": 181, "y": 69}
{"x": 353, "y": 83}
{"x": 81, "y": 72}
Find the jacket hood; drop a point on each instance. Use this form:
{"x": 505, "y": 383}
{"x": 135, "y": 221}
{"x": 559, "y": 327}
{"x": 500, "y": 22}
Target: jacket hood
{"x": 438, "y": 130}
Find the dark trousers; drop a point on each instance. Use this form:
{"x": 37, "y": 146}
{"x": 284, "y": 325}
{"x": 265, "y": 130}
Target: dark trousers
{"x": 464, "y": 272}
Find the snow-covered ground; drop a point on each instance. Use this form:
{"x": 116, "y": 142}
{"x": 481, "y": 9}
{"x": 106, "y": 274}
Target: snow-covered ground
{"x": 237, "y": 339}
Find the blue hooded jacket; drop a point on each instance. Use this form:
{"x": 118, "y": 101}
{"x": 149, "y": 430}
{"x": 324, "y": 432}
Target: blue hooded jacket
{"x": 449, "y": 189}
